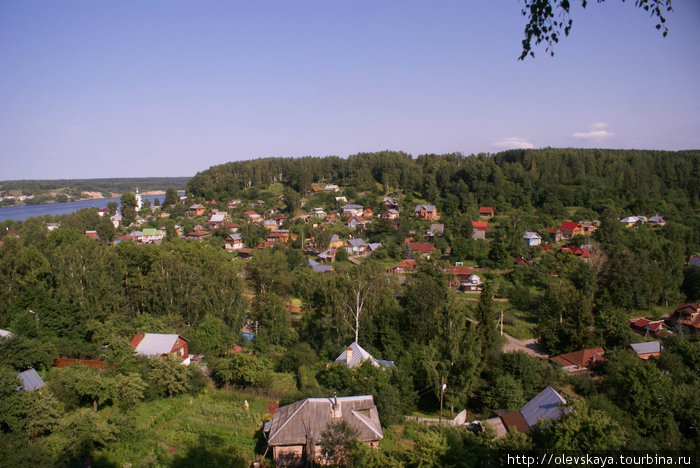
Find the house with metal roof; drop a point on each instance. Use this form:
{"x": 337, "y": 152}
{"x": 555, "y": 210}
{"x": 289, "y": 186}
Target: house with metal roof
{"x": 546, "y": 406}
{"x": 354, "y": 355}
{"x": 295, "y": 430}
{"x": 532, "y": 238}
{"x": 30, "y": 380}
{"x": 159, "y": 344}
{"x": 647, "y": 349}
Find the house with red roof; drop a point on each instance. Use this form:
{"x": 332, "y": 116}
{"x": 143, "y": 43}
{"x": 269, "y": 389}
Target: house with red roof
{"x": 423, "y": 248}
{"x": 686, "y": 315}
{"x": 407, "y": 265}
{"x": 581, "y": 252}
{"x": 581, "y": 361}
{"x": 570, "y": 229}
{"x": 645, "y": 327}
{"x": 479, "y": 229}
{"x": 458, "y": 274}
{"x": 486, "y": 212}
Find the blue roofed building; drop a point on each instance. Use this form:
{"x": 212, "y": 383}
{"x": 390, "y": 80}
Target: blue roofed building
{"x": 30, "y": 380}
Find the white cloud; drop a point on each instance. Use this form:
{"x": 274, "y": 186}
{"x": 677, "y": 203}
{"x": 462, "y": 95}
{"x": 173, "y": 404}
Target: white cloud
{"x": 597, "y": 132}
{"x": 513, "y": 143}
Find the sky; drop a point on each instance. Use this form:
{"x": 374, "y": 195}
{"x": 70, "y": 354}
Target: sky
{"x": 170, "y": 87}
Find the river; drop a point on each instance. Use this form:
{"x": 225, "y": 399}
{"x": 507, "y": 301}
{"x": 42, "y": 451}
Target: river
{"x": 23, "y": 212}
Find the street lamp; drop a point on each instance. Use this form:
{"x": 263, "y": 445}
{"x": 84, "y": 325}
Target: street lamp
{"x": 36, "y": 318}
{"x": 442, "y": 392}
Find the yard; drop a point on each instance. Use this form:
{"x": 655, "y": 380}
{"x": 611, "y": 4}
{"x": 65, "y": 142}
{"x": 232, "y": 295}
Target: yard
{"x": 211, "y": 429}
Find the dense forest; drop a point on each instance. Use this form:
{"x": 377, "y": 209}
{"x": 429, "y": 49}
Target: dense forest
{"x": 88, "y": 296}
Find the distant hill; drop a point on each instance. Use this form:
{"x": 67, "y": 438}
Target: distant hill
{"x": 119, "y": 185}
{"x": 63, "y": 190}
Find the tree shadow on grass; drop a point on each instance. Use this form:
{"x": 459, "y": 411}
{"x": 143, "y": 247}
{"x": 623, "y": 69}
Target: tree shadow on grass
{"x": 207, "y": 453}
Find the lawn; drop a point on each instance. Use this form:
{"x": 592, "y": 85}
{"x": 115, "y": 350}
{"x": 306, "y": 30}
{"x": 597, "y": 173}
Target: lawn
{"x": 211, "y": 428}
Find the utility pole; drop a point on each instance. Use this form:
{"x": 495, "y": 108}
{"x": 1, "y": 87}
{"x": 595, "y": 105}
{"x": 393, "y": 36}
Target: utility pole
{"x": 501, "y": 320}
{"x": 443, "y": 386}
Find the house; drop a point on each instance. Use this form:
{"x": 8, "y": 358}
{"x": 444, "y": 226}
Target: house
{"x": 92, "y": 234}
{"x": 245, "y": 253}
{"x": 196, "y": 210}
{"x": 367, "y": 213}
{"x": 644, "y": 327}
{"x": 632, "y": 220}
{"x": 458, "y": 275}
{"x": 352, "y": 210}
{"x": 479, "y": 229}
{"x": 336, "y": 242}
{"x": 102, "y": 212}
{"x": 232, "y": 227}
{"x": 318, "y": 268}
{"x": 158, "y": 344}
{"x": 546, "y": 406}
{"x": 340, "y": 200}
{"x": 270, "y": 224}
{"x": 295, "y": 430}
{"x": 423, "y": 248}
{"x": 5, "y": 334}
{"x": 554, "y": 234}
{"x": 216, "y": 220}
{"x": 589, "y": 227}
{"x": 331, "y": 188}
{"x": 580, "y": 252}
{"x": 151, "y": 236}
{"x": 327, "y": 255}
{"x": 357, "y": 247}
{"x": 647, "y": 349}
{"x": 198, "y": 234}
{"x": 687, "y": 316}
{"x": 657, "y": 221}
{"x": 30, "y": 380}
{"x": 233, "y": 204}
{"x": 694, "y": 260}
{"x": 426, "y": 212}
{"x": 532, "y": 238}
{"x": 407, "y": 265}
{"x": 391, "y": 214}
{"x": 51, "y": 226}
{"x": 317, "y": 213}
{"x": 435, "y": 230}
{"x": 355, "y": 355}
{"x": 570, "y": 229}
{"x": 357, "y": 221}
{"x": 581, "y": 361}
{"x": 233, "y": 242}
{"x": 116, "y": 220}
{"x": 252, "y": 216}
{"x": 472, "y": 284}
{"x": 486, "y": 212}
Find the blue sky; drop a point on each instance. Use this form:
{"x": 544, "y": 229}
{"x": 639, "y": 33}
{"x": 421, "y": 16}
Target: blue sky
{"x": 170, "y": 87}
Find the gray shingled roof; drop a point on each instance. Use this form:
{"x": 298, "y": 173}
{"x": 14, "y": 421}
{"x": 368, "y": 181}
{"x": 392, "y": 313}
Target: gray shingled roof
{"x": 155, "y": 344}
{"x": 646, "y": 348}
{"x": 305, "y": 420}
{"x": 426, "y": 207}
{"x": 358, "y": 356}
{"x": 30, "y": 380}
{"x": 546, "y": 405}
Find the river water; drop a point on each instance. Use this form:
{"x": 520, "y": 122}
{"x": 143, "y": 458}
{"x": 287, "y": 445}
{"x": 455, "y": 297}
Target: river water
{"x": 23, "y": 212}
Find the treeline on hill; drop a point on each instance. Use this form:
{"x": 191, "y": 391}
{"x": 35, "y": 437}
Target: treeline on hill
{"x": 546, "y": 179}
{"x": 91, "y": 297}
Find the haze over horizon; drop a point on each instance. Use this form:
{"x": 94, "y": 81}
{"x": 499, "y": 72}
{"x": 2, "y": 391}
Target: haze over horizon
{"x": 170, "y": 88}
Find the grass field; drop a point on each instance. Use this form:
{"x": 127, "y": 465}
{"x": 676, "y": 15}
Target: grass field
{"x": 210, "y": 429}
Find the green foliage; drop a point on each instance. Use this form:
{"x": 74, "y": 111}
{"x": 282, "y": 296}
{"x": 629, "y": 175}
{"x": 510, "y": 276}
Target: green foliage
{"x": 336, "y": 442}
{"x": 242, "y": 369}
{"x": 168, "y": 375}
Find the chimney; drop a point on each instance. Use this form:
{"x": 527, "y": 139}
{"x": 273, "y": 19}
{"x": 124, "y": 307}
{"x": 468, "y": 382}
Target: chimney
{"x": 348, "y": 354}
{"x": 336, "y": 413}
